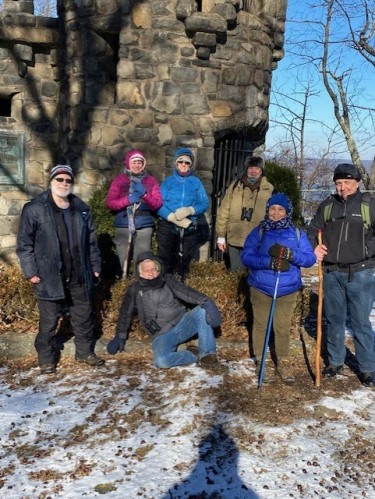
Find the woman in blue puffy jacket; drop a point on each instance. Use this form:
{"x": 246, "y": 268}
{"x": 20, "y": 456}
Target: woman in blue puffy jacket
{"x": 184, "y": 200}
{"x": 276, "y": 245}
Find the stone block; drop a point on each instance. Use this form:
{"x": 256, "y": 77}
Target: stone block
{"x": 125, "y": 69}
{"x": 166, "y": 97}
{"x": 24, "y": 52}
{"x": 144, "y": 119}
{"x": 165, "y": 135}
{"x": 129, "y": 95}
{"x": 142, "y": 16}
{"x": 182, "y": 126}
{"x": 204, "y": 39}
{"x": 195, "y": 104}
{"x": 144, "y": 71}
{"x": 226, "y": 11}
{"x": 208, "y": 23}
{"x": 183, "y": 74}
{"x": 220, "y": 109}
{"x": 203, "y": 53}
{"x": 146, "y": 135}
{"x": 119, "y": 117}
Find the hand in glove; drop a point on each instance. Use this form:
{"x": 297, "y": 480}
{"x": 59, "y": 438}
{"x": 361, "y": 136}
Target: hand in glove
{"x": 184, "y": 212}
{"x": 279, "y": 265}
{"x": 117, "y": 344}
{"x": 184, "y": 223}
{"x": 134, "y": 197}
{"x": 281, "y": 252}
{"x": 213, "y": 315}
{"x": 139, "y": 188}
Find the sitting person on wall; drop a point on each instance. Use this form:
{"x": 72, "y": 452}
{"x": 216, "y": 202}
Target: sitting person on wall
{"x": 161, "y": 302}
{"x": 276, "y": 250}
{"x": 134, "y": 196}
{"x": 184, "y": 199}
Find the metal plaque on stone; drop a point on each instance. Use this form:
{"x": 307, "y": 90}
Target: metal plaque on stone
{"x": 12, "y": 158}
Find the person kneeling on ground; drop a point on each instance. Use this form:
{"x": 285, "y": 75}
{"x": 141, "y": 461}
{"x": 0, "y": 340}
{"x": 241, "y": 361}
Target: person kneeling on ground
{"x": 160, "y": 301}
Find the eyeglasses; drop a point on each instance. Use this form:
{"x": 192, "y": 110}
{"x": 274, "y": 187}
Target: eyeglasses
{"x": 61, "y": 180}
{"x": 184, "y": 162}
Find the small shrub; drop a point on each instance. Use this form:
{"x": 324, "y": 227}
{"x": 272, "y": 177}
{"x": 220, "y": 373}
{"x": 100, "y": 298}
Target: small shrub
{"x": 17, "y": 300}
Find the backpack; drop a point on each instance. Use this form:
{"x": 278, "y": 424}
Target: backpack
{"x": 365, "y": 211}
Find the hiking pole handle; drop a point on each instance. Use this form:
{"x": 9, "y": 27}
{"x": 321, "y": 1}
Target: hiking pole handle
{"x": 319, "y": 317}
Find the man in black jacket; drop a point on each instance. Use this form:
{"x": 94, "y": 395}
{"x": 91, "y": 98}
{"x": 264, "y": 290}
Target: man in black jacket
{"x": 348, "y": 255}
{"x": 161, "y": 301}
{"x": 59, "y": 255}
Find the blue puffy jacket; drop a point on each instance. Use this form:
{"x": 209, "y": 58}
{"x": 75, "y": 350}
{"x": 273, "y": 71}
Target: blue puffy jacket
{"x": 178, "y": 191}
{"x": 255, "y": 256}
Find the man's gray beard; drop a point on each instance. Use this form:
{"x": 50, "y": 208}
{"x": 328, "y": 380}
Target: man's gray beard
{"x": 66, "y": 193}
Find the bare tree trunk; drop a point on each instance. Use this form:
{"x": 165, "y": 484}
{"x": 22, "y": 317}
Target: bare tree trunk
{"x": 339, "y": 99}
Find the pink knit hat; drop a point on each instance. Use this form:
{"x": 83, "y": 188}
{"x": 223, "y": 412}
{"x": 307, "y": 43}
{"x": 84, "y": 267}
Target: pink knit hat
{"x": 131, "y": 155}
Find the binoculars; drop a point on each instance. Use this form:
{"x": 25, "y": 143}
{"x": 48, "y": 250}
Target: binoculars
{"x": 247, "y": 213}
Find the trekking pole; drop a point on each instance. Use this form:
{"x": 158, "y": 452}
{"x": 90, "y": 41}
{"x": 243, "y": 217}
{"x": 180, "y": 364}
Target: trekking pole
{"x": 181, "y": 255}
{"x": 319, "y": 317}
{"x": 127, "y": 256}
{"x": 131, "y": 228}
{"x": 268, "y": 331}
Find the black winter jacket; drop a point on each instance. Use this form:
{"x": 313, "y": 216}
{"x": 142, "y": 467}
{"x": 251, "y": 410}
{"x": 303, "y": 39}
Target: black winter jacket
{"x": 38, "y": 246}
{"x": 162, "y": 305}
{"x": 347, "y": 240}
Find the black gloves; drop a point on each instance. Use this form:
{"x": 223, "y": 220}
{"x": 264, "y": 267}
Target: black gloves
{"x": 281, "y": 252}
{"x": 117, "y": 344}
{"x": 213, "y": 315}
{"x": 279, "y": 265}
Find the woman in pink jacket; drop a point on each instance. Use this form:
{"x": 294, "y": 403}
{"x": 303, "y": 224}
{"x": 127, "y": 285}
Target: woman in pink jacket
{"x": 133, "y": 196}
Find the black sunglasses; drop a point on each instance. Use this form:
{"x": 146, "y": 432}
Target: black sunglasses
{"x": 183, "y": 162}
{"x": 61, "y": 180}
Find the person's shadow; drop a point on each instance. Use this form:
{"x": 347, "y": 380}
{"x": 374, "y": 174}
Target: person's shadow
{"x": 215, "y": 474}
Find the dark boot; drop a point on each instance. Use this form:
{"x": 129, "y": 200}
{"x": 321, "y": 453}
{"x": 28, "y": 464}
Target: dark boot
{"x": 91, "y": 360}
{"x": 331, "y": 371}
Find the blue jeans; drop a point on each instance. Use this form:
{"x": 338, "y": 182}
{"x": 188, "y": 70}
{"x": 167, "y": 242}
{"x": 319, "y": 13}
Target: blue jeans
{"x": 355, "y": 297}
{"x": 164, "y": 347}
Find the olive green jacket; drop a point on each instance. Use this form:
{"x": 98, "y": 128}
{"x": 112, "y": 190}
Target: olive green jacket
{"x": 228, "y": 221}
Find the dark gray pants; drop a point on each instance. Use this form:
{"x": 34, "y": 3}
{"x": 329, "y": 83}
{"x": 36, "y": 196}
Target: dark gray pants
{"x": 80, "y": 309}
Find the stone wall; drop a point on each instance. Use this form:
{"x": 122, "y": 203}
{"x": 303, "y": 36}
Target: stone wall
{"x": 112, "y": 75}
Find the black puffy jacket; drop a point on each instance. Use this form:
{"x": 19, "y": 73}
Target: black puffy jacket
{"x": 38, "y": 246}
{"x": 163, "y": 305}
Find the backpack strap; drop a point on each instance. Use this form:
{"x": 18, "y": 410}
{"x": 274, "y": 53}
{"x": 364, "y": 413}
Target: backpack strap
{"x": 365, "y": 210}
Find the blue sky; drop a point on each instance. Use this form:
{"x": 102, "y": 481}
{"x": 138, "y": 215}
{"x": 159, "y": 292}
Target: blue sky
{"x": 290, "y": 76}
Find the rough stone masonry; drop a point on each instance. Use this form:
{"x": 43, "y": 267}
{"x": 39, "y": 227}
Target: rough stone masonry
{"x": 109, "y": 75}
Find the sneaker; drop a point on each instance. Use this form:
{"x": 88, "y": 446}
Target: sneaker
{"x": 368, "y": 379}
{"x": 283, "y": 370}
{"x": 48, "y": 369}
{"x": 92, "y": 360}
{"x": 331, "y": 370}
{"x": 268, "y": 373}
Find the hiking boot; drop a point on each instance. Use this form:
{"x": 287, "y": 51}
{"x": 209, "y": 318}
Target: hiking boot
{"x": 211, "y": 363}
{"x": 368, "y": 379}
{"x": 193, "y": 349}
{"x": 268, "y": 373}
{"x": 48, "y": 369}
{"x": 92, "y": 360}
{"x": 283, "y": 370}
{"x": 331, "y": 370}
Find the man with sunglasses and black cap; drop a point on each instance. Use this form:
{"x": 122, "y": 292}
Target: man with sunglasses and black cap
{"x": 59, "y": 255}
{"x": 347, "y": 222}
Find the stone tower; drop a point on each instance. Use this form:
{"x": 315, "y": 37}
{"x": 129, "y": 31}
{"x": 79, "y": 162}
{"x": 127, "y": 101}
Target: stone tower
{"x": 110, "y": 75}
